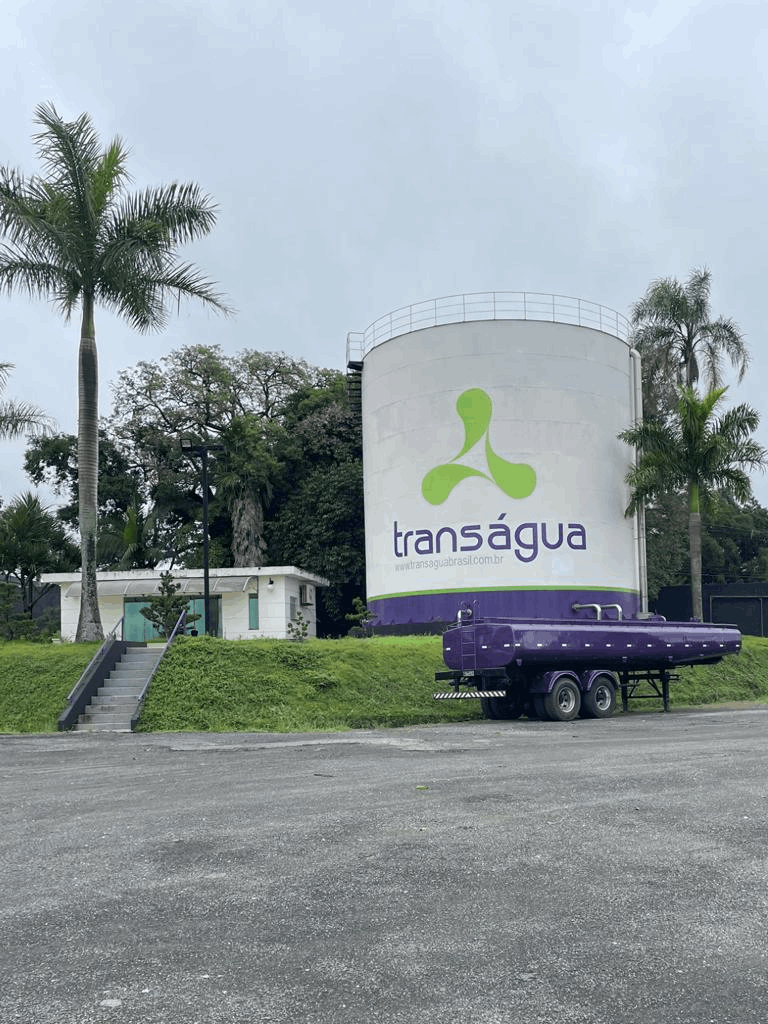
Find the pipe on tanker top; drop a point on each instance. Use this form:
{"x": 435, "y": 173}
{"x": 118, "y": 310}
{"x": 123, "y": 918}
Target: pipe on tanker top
{"x": 576, "y": 607}
{"x": 599, "y": 609}
{"x": 637, "y": 419}
{"x": 619, "y": 610}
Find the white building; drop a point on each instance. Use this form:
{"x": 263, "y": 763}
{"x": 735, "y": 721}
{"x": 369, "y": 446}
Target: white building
{"x": 245, "y": 603}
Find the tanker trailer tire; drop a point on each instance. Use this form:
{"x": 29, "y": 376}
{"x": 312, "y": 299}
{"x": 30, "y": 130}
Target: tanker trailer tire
{"x": 501, "y": 709}
{"x": 600, "y": 699}
{"x": 563, "y": 702}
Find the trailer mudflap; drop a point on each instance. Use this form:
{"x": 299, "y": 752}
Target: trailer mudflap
{"x": 470, "y": 678}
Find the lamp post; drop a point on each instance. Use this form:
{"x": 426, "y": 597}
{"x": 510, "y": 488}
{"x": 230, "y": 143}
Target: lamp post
{"x": 190, "y": 448}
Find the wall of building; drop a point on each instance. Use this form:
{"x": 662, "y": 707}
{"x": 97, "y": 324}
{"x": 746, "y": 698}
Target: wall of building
{"x": 274, "y": 610}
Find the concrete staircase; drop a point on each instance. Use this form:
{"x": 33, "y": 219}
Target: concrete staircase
{"x": 115, "y": 703}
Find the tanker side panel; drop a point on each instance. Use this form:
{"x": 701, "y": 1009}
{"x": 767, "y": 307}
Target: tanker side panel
{"x": 538, "y": 645}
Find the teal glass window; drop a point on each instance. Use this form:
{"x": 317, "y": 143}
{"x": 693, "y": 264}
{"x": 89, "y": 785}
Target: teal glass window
{"x": 253, "y": 611}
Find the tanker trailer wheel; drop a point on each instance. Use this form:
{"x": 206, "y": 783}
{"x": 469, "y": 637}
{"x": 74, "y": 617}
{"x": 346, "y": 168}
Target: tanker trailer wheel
{"x": 562, "y": 703}
{"x": 501, "y": 709}
{"x": 600, "y": 699}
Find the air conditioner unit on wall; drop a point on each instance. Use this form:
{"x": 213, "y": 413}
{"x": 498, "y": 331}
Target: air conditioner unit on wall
{"x": 305, "y": 593}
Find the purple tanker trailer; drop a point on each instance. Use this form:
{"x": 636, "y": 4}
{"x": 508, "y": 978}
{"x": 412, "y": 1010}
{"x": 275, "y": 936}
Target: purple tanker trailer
{"x": 558, "y": 669}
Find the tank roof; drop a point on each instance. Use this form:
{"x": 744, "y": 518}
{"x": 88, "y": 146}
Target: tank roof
{"x": 478, "y": 306}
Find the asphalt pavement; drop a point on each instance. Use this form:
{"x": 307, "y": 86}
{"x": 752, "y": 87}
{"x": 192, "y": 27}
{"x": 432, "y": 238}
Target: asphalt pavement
{"x": 605, "y": 872}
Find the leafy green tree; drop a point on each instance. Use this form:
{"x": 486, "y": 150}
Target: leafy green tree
{"x": 18, "y": 418}
{"x": 735, "y": 541}
{"x": 32, "y": 541}
{"x": 666, "y": 541}
{"x": 199, "y": 393}
{"x": 16, "y": 624}
{"x": 77, "y": 237}
{"x": 166, "y": 606}
{"x": 317, "y": 509}
{"x": 52, "y": 461}
{"x": 320, "y": 528}
{"x": 680, "y": 342}
{"x": 698, "y": 453}
{"x": 288, "y": 473}
{"x": 245, "y": 480}
{"x": 247, "y": 405}
{"x": 129, "y": 533}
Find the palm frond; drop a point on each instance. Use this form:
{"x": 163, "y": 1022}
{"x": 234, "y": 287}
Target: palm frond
{"x": 32, "y": 215}
{"x": 184, "y": 280}
{"x": 69, "y": 151}
{"x": 143, "y": 299}
{"x": 739, "y": 422}
{"x": 664, "y": 303}
{"x": 109, "y": 176}
{"x": 18, "y": 419}
{"x": 695, "y": 449}
{"x": 677, "y": 318}
{"x": 37, "y": 278}
{"x": 697, "y": 291}
{"x": 725, "y": 336}
{"x": 179, "y": 213}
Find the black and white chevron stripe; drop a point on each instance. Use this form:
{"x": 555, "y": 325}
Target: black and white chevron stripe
{"x": 468, "y": 694}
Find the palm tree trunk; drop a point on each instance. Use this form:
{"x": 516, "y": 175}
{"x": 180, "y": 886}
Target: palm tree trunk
{"x": 89, "y": 624}
{"x": 694, "y": 546}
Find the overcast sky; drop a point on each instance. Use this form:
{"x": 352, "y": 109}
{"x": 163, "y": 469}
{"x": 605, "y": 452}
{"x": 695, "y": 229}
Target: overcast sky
{"x": 368, "y": 155}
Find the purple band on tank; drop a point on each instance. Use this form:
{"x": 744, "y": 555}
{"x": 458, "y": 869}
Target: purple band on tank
{"x": 421, "y": 609}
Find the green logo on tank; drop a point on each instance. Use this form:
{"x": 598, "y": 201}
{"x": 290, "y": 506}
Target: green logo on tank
{"x": 515, "y": 479}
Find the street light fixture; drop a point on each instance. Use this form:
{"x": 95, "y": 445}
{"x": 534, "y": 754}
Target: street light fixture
{"x": 190, "y": 448}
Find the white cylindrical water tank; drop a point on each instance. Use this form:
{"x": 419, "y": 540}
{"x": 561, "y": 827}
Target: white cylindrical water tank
{"x": 493, "y": 473}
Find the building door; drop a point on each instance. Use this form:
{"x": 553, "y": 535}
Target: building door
{"x": 196, "y": 606}
{"x": 138, "y": 629}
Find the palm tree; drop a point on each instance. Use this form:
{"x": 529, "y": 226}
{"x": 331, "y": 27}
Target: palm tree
{"x": 128, "y": 540}
{"x": 697, "y": 452}
{"x": 17, "y": 418}
{"x": 76, "y": 236}
{"x": 32, "y": 541}
{"x": 678, "y": 339}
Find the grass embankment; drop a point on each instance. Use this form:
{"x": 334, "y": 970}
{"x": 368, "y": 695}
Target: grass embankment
{"x": 276, "y": 686}
{"x": 743, "y": 678}
{"x": 35, "y": 681}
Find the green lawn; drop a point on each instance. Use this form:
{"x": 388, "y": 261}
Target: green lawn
{"x": 278, "y": 686}
{"x": 35, "y": 680}
{"x": 213, "y": 685}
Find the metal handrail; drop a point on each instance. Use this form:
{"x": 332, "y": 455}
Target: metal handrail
{"x": 98, "y": 655}
{"x": 453, "y": 309}
{"x": 174, "y": 632}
